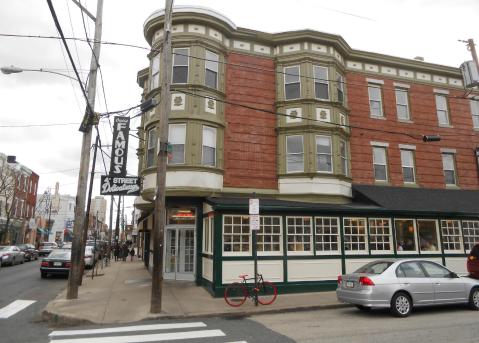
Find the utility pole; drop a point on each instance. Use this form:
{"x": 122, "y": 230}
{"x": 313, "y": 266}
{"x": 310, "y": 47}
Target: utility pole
{"x": 472, "y": 47}
{"x": 162, "y": 130}
{"x": 110, "y": 229}
{"x": 77, "y": 246}
{"x": 117, "y": 226}
{"x": 49, "y": 217}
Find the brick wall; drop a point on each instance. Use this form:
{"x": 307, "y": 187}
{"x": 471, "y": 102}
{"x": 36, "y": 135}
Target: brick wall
{"x": 250, "y": 137}
{"x": 429, "y": 173}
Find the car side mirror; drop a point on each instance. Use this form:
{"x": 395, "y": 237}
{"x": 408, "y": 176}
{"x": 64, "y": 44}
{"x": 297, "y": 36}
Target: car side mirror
{"x": 453, "y": 275}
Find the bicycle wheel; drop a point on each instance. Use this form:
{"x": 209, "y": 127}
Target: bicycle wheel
{"x": 267, "y": 293}
{"x": 235, "y": 294}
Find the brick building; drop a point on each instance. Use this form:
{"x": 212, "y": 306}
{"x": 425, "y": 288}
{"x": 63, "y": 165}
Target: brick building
{"x": 327, "y": 137}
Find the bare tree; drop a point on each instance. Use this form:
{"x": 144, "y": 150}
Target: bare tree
{"x": 9, "y": 191}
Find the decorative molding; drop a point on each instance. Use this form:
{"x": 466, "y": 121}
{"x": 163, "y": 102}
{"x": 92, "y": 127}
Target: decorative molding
{"x": 407, "y": 147}
{"x": 196, "y": 28}
{"x": 380, "y": 144}
{"x": 210, "y": 105}
{"x": 323, "y": 114}
{"x": 375, "y": 81}
{"x": 294, "y": 112}
{"x": 441, "y": 91}
{"x": 178, "y": 101}
{"x": 401, "y": 85}
{"x": 448, "y": 151}
{"x": 262, "y": 49}
{"x": 241, "y": 45}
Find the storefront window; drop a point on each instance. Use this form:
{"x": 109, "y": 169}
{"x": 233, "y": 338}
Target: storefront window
{"x": 184, "y": 216}
{"x": 405, "y": 235}
{"x": 269, "y": 235}
{"x": 451, "y": 235}
{"x": 428, "y": 236}
{"x": 327, "y": 235}
{"x": 471, "y": 233}
{"x": 355, "y": 235}
{"x": 300, "y": 235}
{"x": 380, "y": 235}
{"x": 236, "y": 235}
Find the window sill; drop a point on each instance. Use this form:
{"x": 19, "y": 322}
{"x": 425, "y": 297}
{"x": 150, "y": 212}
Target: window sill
{"x": 382, "y": 183}
{"x": 377, "y": 117}
{"x": 411, "y": 184}
{"x": 406, "y": 121}
{"x": 448, "y": 126}
{"x": 452, "y": 187}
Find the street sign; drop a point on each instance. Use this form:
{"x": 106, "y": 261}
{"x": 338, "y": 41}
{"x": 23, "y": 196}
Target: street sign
{"x": 128, "y": 185}
{"x": 253, "y": 206}
{"x": 254, "y": 222}
{"x": 119, "y": 149}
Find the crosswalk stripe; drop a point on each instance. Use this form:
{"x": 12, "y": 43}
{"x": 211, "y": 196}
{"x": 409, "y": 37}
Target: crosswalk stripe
{"x": 144, "y": 338}
{"x": 128, "y": 329}
{"x": 14, "y": 307}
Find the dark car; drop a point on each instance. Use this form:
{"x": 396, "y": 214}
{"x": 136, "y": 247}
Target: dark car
{"x": 46, "y": 248}
{"x": 57, "y": 262}
{"x": 473, "y": 262}
{"x": 30, "y": 252}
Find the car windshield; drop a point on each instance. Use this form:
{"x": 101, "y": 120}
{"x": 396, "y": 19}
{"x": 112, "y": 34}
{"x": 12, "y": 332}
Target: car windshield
{"x": 61, "y": 255}
{"x": 377, "y": 267}
{"x": 22, "y": 246}
{"x": 4, "y": 248}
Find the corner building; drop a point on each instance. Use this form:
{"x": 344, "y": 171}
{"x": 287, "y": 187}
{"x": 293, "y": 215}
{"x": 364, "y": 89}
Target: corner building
{"x": 327, "y": 137}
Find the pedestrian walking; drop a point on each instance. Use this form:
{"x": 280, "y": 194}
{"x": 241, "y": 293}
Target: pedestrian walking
{"x": 117, "y": 251}
{"x": 125, "y": 251}
{"x": 132, "y": 253}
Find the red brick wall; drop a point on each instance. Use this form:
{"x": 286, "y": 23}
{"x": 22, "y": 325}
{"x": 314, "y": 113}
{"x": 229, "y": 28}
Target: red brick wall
{"x": 429, "y": 173}
{"x": 250, "y": 137}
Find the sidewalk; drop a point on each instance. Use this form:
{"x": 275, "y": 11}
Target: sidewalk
{"x": 122, "y": 295}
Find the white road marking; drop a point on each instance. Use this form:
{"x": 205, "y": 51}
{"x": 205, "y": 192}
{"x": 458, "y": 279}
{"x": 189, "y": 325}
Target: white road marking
{"x": 144, "y": 338}
{"x": 128, "y": 329}
{"x": 238, "y": 342}
{"x": 15, "y": 307}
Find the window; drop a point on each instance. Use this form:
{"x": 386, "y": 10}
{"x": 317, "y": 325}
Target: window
{"x": 150, "y": 153}
{"x": 380, "y": 164}
{"x": 211, "y": 69}
{"x": 410, "y": 269}
{"x": 343, "y": 151}
{"x": 327, "y": 235}
{"x": 405, "y": 235}
{"x": 292, "y": 85}
{"x": 428, "y": 236}
{"x": 209, "y": 146}
{"x": 449, "y": 168}
{"x": 375, "y": 100}
{"x": 475, "y": 113}
{"x": 155, "y": 72}
{"x": 380, "y": 235}
{"x": 407, "y": 162}
{"x": 340, "y": 88}
{"x": 236, "y": 235}
{"x": 208, "y": 235}
{"x": 470, "y": 229}
{"x": 300, "y": 235}
{"x": 451, "y": 235}
{"x": 180, "y": 65}
{"x": 177, "y": 138}
{"x": 294, "y": 154}
{"x": 324, "y": 154}
{"x": 377, "y": 267}
{"x": 269, "y": 235}
{"x": 402, "y": 104}
{"x": 321, "y": 83}
{"x": 435, "y": 271}
{"x": 441, "y": 109}
{"x": 355, "y": 235}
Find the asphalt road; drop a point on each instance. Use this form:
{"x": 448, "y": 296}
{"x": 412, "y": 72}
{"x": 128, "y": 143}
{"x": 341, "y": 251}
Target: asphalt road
{"x": 23, "y": 282}
{"x": 440, "y": 324}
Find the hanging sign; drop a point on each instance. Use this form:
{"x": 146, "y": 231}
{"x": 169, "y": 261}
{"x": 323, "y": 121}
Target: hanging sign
{"x": 254, "y": 214}
{"x": 119, "y": 148}
{"x": 128, "y": 185}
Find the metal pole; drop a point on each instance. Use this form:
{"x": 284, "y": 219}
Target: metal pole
{"x": 49, "y": 216}
{"x": 110, "y": 229}
{"x": 117, "y": 225}
{"x": 77, "y": 247}
{"x": 162, "y": 131}
{"x": 472, "y": 47}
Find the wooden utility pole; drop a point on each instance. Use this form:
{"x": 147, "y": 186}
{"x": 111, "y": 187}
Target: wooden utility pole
{"x": 472, "y": 47}
{"x": 117, "y": 225}
{"x": 110, "y": 229}
{"x": 162, "y": 131}
{"x": 77, "y": 248}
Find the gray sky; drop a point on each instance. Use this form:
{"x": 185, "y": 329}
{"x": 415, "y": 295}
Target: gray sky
{"x": 404, "y": 28}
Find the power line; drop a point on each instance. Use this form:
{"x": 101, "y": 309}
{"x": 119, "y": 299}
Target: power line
{"x": 37, "y": 125}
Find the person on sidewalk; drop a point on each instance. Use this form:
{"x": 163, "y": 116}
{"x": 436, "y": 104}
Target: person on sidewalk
{"x": 117, "y": 251}
{"x": 132, "y": 253}
{"x": 125, "y": 251}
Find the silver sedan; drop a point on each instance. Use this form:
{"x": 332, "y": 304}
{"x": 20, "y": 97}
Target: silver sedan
{"x": 403, "y": 284}
{"x": 10, "y": 254}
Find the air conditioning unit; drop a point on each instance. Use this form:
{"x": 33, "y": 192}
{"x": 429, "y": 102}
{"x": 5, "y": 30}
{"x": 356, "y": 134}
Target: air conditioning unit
{"x": 470, "y": 74}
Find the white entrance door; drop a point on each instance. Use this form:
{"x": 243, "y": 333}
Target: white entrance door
{"x": 179, "y": 256}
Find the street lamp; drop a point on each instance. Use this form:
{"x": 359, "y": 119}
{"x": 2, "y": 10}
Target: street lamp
{"x": 15, "y": 70}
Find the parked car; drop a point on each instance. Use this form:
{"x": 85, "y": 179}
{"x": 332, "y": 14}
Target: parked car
{"x": 67, "y": 245}
{"x": 90, "y": 256}
{"x": 404, "y": 284}
{"x": 473, "y": 262}
{"x": 11, "y": 254}
{"x": 57, "y": 262}
{"x": 46, "y": 248}
{"x": 30, "y": 252}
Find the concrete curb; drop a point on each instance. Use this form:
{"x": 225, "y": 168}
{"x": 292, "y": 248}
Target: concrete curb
{"x": 61, "y": 320}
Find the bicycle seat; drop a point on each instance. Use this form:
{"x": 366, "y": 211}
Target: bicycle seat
{"x": 242, "y": 276}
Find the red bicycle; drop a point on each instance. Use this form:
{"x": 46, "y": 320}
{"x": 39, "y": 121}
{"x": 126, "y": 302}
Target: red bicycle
{"x": 264, "y": 292}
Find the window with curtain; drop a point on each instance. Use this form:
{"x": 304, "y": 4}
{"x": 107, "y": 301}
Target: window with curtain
{"x": 211, "y": 69}
{"x": 177, "y": 138}
{"x": 209, "y": 146}
{"x": 180, "y": 65}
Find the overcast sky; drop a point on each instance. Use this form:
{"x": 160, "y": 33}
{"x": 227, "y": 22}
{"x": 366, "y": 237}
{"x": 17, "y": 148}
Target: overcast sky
{"x": 404, "y": 28}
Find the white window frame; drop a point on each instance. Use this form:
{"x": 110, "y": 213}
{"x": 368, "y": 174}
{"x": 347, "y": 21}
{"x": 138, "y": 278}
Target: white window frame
{"x": 340, "y": 88}
{"x": 213, "y": 60}
{"x": 322, "y": 81}
{"x": 155, "y": 72}
{"x": 448, "y": 225}
{"x": 311, "y": 242}
{"x": 389, "y": 235}
{"x": 475, "y": 113}
{"x": 453, "y": 157}
{"x": 236, "y": 253}
{"x": 337, "y": 236}
{"x": 364, "y": 235}
{"x": 444, "y": 110}
{"x": 383, "y": 148}
{"x": 187, "y": 65}
{"x": 416, "y": 244}
{"x": 399, "y": 104}
{"x": 403, "y": 165}
{"x": 468, "y": 225}
{"x": 301, "y": 154}
{"x": 208, "y": 235}
{"x": 175, "y": 141}
{"x": 344, "y": 158}
{"x": 260, "y": 232}
{"x": 325, "y": 154}
{"x": 380, "y": 101}
{"x": 286, "y": 73}
{"x": 438, "y": 236}
{"x": 203, "y": 145}
{"x": 151, "y": 145}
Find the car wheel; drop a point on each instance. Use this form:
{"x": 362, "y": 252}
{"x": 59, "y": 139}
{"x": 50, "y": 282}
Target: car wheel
{"x": 43, "y": 275}
{"x": 363, "y": 308}
{"x": 474, "y": 299}
{"x": 22, "y": 261}
{"x": 401, "y": 305}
